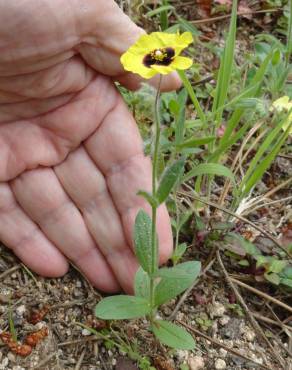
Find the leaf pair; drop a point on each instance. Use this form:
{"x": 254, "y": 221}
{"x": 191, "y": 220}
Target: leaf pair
{"x": 173, "y": 281}
{"x": 121, "y": 307}
{"x": 146, "y": 253}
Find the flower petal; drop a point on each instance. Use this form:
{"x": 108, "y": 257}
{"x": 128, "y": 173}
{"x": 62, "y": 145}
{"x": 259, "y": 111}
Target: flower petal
{"x": 134, "y": 63}
{"x": 181, "y": 63}
{"x": 164, "y": 70}
{"x": 133, "y": 59}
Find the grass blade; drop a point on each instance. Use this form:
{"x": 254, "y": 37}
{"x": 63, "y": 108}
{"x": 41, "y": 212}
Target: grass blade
{"x": 225, "y": 68}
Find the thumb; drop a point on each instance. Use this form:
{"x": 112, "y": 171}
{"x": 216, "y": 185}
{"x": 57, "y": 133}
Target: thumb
{"x": 107, "y": 33}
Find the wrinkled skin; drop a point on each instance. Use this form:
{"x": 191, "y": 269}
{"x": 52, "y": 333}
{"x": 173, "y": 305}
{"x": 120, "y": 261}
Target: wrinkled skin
{"x": 71, "y": 157}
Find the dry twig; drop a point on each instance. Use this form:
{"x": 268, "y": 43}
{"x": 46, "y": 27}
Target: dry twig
{"x": 219, "y": 344}
{"x": 243, "y": 219}
{"x": 187, "y": 292}
{"x": 263, "y": 295}
{"x": 248, "y": 313}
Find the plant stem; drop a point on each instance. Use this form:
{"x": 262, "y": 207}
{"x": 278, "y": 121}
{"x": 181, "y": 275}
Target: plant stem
{"x": 155, "y": 159}
{"x": 289, "y": 35}
{"x": 192, "y": 95}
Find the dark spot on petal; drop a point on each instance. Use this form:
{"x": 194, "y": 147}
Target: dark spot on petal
{"x": 164, "y": 60}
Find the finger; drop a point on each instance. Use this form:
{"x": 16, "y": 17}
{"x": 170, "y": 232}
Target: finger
{"x": 43, "y": 199}
{"x": 134, "y": 82}
{"x": 116, "y": 148}
{"x": 86, "y": 186}
{"x": 109, "y": 37}
{"x": 19, "y": 233}
{"x": 67, "y": 77}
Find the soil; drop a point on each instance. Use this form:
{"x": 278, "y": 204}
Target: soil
{"x": 226, "y": 337}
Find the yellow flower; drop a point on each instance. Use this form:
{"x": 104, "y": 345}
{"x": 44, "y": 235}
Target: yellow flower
{"x": 283, "y": 104}
{"x": 157, "y": 53}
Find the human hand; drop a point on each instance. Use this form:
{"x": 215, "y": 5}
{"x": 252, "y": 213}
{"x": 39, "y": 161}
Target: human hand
{"x": 71, "y": 158}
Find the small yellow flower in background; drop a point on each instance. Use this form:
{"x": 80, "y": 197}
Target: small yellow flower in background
{"x": 157, "y": 53}
{"x": 283, "y": 104}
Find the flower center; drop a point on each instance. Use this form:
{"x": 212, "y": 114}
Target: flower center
{"x": 162, "y": 57}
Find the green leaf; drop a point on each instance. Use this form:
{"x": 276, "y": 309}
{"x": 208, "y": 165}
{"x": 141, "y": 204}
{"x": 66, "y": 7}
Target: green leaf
{"x": 142, "y": 284}
{"x": 273, "y": 278}
{"x": 287, "y": 273}
{"x": 122, "y": 307}
{"x": 194, "y": 143}
{"x": 175, "y": 280}
{"x": 261, "y": 162}
{"x": 149, "y": 198}
{"x": 159, "y": 10}
{"x": 277, "y": 266}
{"x": 187, "y": 26}
{"x": 261, "y": 260}
{"x": 225, "y": 70}
{"x": 180, "y": 117}
{"x": 172, "y": 335}
{"x": 244, "y": 263}
{"x": 209, "y": 169}
{"x": 178, "y": 252}
{"x": 142, "y": 238}
{"x": 287, "y": 282}
{"x": 192, "y": 95}
{"x": 169, "y": 178}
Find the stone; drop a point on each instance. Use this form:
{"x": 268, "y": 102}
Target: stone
{"x": 20, "y": 310}
{"x": 216, "y": 309}
{"x": 182, "y": 354}
{"x": 222, "y": 352}
{"x": 220, "y": 364}
{"x": 11, "y": 357}
{"x": 224, "y": 320}
{"x": 196, "y": 363}
{"x": 249, "y": 335}
{"x": 85, "y": 332}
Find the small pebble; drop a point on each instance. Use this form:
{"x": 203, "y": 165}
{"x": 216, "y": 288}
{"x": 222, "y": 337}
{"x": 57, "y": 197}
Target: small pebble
{"x": 85, "y": 332}
{"x": 249, "y": 335}
{"x": 11, "y": 357}
{"x": 224, "y": 320}
{"x": 4, "y": 363}
{"x": 40, "y": 325}
{"x": 78, "y": 284}
{"x": 216, "y": 310}
{"x": 20, "y": 310}
{"x": 196, "y": 363}
{"x": 182, "y": 355}
{"x": 114, "y": 362}
{"x": 220, "y": 364}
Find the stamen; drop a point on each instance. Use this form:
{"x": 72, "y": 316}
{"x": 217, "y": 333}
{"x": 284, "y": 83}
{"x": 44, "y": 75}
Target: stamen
{"x": 159, "y": 57}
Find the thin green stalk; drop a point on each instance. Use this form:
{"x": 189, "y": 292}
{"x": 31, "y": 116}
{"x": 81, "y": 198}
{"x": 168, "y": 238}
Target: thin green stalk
{"x": 289, "y": 35}
{"x": 154, "y": 207}
{"x": 192, "y": 95}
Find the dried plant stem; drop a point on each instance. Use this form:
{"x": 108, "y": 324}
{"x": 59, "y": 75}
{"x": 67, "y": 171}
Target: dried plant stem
{"x": 261, "y": 294}
{"x": 219, "y": 344}
{"x": 248, "y": 313}
{"x": 221, "y": 17}
{"x": 270, "y": 321}
{"x": 240, "y": 159}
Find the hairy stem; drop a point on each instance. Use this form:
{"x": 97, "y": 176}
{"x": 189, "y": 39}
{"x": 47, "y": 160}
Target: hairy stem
{"x": 155, "y": 159}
